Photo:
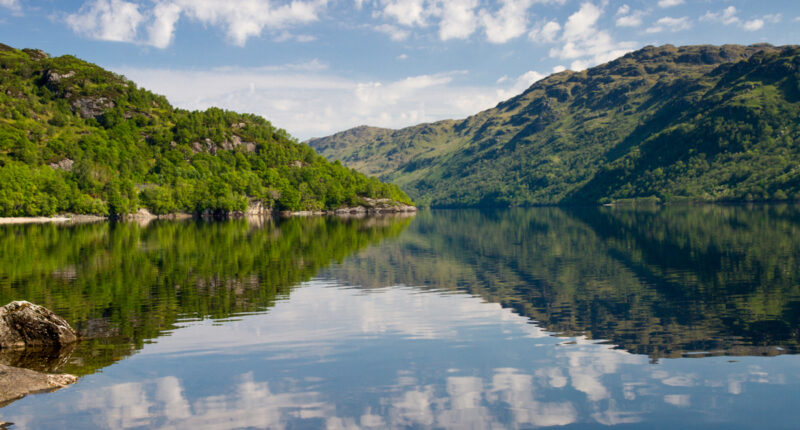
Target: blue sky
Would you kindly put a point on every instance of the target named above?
(315, 67)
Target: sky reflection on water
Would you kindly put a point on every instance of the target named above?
(335, 357)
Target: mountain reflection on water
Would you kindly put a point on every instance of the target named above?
(665, 282)
(513, 318)
(122, 284)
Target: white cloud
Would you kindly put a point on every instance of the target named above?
(162, 29)
(11, 4)
(669, 3)
(584, 43)
(753, 25)
(394, 32)
(402, 57)
(114, 20)
(671, 24)
(623, 10)
(243, 19)
(458, 19)
(520, 84)
(726, 16)
(119, 20)
(546, 33)
(407, 12)
(308, 100)
(630, 20)
(508, 23)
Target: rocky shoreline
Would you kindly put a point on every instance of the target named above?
(370, 208)
(31, 330)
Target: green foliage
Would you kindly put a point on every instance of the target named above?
(76, 138)
(702, 123)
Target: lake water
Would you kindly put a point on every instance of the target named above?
(677, 317)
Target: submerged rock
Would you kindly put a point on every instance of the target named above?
(24, 324)
(16, 383)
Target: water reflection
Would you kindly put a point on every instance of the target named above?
(489, 369)
(456, 319)
(664, 282)
(122, 284)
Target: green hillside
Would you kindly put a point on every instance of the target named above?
(75, 138)
(710, 123)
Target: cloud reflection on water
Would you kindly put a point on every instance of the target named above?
(531, 380)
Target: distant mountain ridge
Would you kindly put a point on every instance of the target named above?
(76, 138)
(710, 123)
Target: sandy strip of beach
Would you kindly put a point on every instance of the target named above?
(55, 219)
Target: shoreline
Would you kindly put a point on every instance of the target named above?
(58, 219)
(142, 216)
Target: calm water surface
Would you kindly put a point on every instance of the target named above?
(521, 318)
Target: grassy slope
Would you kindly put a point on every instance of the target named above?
(77, 138)
(699, 122)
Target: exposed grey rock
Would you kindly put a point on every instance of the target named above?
(51, 77)
(92, 107)
(24, 324)
(16, 383)
(65, 164)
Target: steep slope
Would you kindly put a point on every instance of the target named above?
(76, 138)
(699, 122)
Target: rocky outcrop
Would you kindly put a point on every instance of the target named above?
(92, 107)
(16, 383)
(32, 336)
(377, 206)
(24, 324)
(65, 164)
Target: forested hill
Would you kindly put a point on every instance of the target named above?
(75, 138)
(711, 123)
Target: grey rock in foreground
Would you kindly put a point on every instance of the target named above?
(16, 383)
(24, 324)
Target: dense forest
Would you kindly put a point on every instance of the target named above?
(701, 123)
(75, 138)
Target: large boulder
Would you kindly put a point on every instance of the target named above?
(24, 324)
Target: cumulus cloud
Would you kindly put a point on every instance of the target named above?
(120, 20)
(585, 44)
(546, 33)
(407, 12)
(627, 19)
(753, 25)
(508, 23)
(114, 20)
(669, 3)
(11, 4)
(671, 24)
(728, 16)
(458, 19)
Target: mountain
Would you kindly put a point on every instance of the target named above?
(710, 123)
(77, 138)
